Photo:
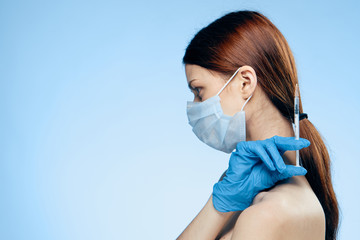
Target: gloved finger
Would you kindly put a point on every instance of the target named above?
(291, 171)
(240, 146)
(276, 157)
(290, 143)
(261, 152)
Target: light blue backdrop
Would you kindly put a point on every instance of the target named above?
(95, 142)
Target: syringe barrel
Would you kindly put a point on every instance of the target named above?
(296, 118)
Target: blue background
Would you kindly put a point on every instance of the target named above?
(95, 142)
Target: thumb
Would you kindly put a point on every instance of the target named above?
(291, 171)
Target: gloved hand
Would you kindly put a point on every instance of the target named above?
(253, 167)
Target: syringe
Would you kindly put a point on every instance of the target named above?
(296, 121)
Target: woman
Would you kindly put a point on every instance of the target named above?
(300, 207)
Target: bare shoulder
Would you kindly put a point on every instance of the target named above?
(282, 216)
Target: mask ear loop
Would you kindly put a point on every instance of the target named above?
(228, 81)
(246, 102)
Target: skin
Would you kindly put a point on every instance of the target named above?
(289, 210)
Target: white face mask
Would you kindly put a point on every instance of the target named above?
(213, 127)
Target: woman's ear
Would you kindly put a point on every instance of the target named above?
(248, 81)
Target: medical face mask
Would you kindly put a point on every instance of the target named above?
(213, 127)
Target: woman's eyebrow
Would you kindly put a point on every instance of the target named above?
(189, 84)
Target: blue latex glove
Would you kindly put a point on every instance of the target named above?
(253, 167)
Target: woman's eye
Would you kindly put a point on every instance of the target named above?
(197, 90)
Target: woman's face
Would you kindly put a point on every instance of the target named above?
(205, 84)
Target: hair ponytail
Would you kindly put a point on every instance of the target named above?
(316, 160)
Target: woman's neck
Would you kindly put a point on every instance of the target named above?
(265, 122)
